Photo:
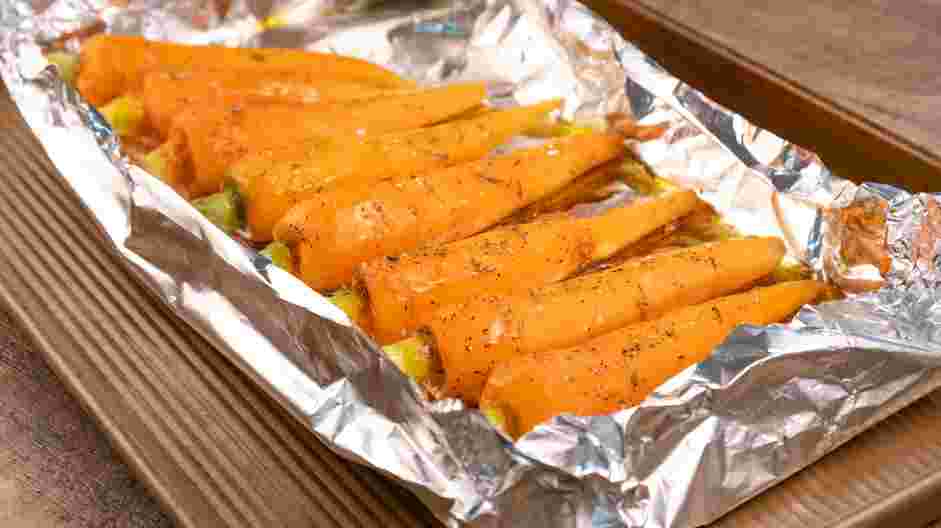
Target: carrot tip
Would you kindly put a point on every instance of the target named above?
(554, 129)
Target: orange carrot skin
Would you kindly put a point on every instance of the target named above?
(619, 369)
(404, 292)
(168, 95)
(472, 337)
(213, 136)
(272, 185)
(330, 239)
(218, 135)
(178, 168)
(112, 65)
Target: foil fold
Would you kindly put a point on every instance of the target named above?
(768, 402)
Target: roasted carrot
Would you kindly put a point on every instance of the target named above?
(403, 292)
(167, 95)
(112, 65)
(170, 162)
(271, 186)
(470, 338)
(619, 369)
(214, 136)
(334, 232)
(593, 187)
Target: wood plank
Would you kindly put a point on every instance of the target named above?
(856, 82)
(57, 470)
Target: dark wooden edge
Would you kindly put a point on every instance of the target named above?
(915, 506)
(851, 145)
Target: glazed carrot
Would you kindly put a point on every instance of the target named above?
(167, 95)
(470, 338)
(271, 186)
(334, 232)
(112, 65)
(214, 136)
(619, 369)
(170, 163)
(403, 292)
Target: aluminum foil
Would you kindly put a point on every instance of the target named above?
(770, 401)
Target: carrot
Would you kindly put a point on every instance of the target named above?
(112, 65)
(272, 185)
(619, 369)
(334, 232)
(470, 338)
(403, 292)
(167, 95)
(217, 135)
(594, 186)
(171, 163)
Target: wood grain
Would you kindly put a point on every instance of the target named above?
(877, 58)
(857, 82)
(57, 469)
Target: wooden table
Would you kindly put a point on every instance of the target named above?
(56, 468)
(858, 82)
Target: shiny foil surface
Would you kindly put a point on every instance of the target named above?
(770, 400)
